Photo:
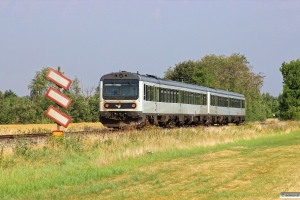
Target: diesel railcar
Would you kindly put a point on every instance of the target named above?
(132, 99)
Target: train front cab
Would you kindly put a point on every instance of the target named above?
(120, 100)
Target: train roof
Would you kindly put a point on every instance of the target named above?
(155, 79)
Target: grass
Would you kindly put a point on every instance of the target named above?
(246, 162)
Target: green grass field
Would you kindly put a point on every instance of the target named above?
(250, 162)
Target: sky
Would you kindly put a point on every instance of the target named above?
(90, 38)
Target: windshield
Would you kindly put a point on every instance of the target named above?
(121, 89)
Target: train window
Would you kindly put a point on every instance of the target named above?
(173, 96)
(166, 95)
(197, 98)
(186, 97)
(181, 96)
(161, 95)
(201, 102)
(145, 91)
(193, 98)
(215, 100)
(151, 93)
(201, 99)
(148, 93)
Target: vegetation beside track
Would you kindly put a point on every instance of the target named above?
(251, 161)
(47, 128)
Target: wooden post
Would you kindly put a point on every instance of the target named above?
(58, 107)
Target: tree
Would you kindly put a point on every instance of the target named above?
(233, 73)
(10, 94)
(31, 109)
(38, 87)
(290, 99)
(272, 105)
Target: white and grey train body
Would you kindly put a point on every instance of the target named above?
(132, 99)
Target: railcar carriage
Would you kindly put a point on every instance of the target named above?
(132, 99)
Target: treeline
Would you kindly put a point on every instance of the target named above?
(31, 109)
(233, 73)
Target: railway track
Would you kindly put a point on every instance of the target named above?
(41, 135)
(19, 136)
(101, 131)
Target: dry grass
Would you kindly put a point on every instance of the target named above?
(244, 170)
(38, 128)
(132, 144)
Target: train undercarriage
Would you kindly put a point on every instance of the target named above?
(139, 120)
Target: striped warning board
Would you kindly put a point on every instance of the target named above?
(58, 79)
(58, 97)
(58, 116)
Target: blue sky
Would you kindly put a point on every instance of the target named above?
(91, 38)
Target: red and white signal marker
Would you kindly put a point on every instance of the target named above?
(58, 79)
(58, 116)
(58, 97)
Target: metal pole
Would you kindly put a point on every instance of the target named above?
(58, 107)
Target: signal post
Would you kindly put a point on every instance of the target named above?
(59, 98)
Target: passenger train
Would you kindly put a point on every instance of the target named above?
(133, 99)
